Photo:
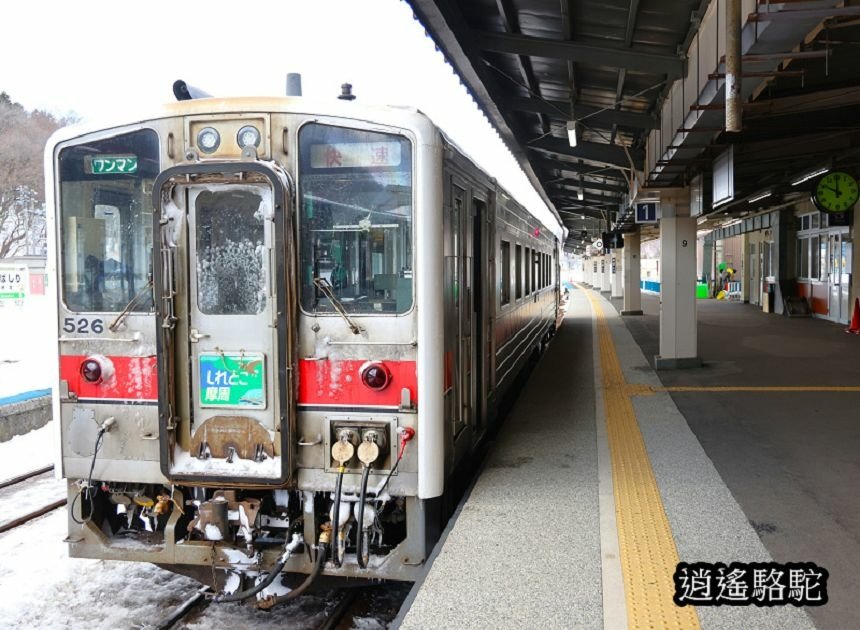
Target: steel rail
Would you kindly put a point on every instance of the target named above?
(183, 609)
(5, 527)
(33, 473)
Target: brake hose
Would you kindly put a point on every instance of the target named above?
(360, 543)
(335, 517)
(275, 572)
(322, 552)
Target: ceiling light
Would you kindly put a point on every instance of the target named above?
(808, 176)
(571, 132)
(760, 197)
(580, 194)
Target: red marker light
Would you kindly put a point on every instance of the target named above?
(91, 370)
(375, 376)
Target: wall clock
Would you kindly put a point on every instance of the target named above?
(836, 192)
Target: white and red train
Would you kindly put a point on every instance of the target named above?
(283, 327)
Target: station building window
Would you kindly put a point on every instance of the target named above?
(811, 248)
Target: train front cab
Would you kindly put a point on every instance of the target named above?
(244, 373)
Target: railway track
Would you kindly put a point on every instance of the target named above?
(26, 476)
(353, 602)
(29, 516)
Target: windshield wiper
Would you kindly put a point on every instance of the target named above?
(113, 326)
(325, 287)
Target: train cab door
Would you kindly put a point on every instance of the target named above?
(230, 332)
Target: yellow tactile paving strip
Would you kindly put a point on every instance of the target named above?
(753, 388)
(648, 553)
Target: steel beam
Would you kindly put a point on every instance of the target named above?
(590, 116)
(596, 152)
(590, 54)
(574, 186)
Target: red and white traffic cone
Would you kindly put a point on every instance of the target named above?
(854, 327)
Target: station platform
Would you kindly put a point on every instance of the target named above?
(606, 474)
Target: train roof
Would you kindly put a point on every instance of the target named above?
(397, 115)
(391, 114)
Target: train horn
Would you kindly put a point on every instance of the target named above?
(185, 92)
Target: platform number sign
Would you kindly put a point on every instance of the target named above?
(646, 212)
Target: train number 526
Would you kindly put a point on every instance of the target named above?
(83, 325)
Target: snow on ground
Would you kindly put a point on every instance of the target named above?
(27, 346)
(27, 452)
(30, 496)
(43, 588)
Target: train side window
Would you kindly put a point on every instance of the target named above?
(536, 270)
(518, 259)
(505, 272)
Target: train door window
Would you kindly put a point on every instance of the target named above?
(535, 263)
(518, 259)
(106, 222)
(549, 270)
(527, 276)
(231, 276)
(355, 206)
(545, 270)
(505, 272)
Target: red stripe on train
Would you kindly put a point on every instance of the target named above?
(327, 382)
(135, 378)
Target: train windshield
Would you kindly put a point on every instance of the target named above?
(355, 227)
(106, 222)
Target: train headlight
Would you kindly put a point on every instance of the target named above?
(208, 140)
(375, 375)
(248, 136)
(91, 370)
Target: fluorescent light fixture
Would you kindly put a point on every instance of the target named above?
(808, 176)
(764, 195)
(571, 132)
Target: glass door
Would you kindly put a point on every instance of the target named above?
(755, 278)
(839, 270)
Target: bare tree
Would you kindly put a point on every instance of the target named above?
(22, 196)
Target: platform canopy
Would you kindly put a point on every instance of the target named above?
(605, 68)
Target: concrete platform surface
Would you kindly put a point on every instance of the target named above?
(532, 546)
(791, 458)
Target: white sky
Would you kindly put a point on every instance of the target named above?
(98, 57)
